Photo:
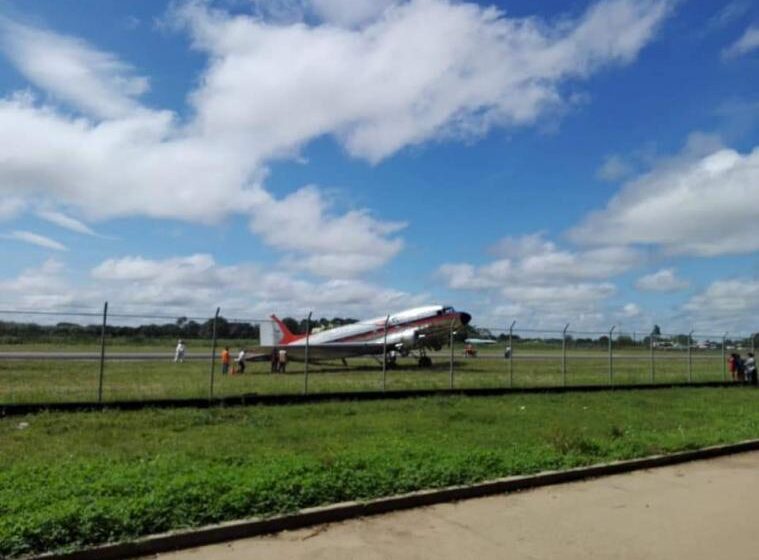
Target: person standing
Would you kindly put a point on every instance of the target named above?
(732, 366)
(225, 360)
(740, 368)
(241, 361)
(751, 372)
(180, 352)
(283, 361)
(274, 359)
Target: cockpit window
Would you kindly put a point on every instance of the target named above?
(447, 309)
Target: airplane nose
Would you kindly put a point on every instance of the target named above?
(465, 318)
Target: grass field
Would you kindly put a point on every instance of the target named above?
(24, 381)
(68, 480)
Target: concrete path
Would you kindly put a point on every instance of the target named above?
(703, 510)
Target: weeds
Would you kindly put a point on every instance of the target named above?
(72, 480)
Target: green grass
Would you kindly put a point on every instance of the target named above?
(24, 381)
(69, 480)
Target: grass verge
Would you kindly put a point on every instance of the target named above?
(70, 480)
(50, 381)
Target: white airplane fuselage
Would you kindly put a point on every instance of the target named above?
(419, 328)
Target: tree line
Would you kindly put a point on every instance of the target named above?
(13, 332)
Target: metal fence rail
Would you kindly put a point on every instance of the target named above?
(113, 355)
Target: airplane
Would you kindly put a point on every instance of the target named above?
(412, 330)
(480, 341)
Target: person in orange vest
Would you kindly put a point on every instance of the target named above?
(225, 360)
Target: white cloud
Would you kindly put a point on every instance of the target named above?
(195, 285)
(66, 222)
(726, 304)
(534, 260)
(419, 71)
(522, 246)
(325, 244)
(747, 43)
(570, 297)
(730, 13)
(693, 205)
(426, 68)
(96, 82)
(34, 239)
(542, 283)
(198, 283)
(37, 288)
(630, 310)
(350, 12)
(10, 207)
(614, 168)
(664, 280)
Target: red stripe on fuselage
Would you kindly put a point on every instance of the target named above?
(437, 320)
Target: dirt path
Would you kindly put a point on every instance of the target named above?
(703, 510)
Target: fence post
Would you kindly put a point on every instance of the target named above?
(611, 357)
(653, 345)
(690, 357)
(213, 352)
(564, 356)
(384, 355)
(102, 353)
(511, 354)
(724, 357)
(450, 381)
(305, 358)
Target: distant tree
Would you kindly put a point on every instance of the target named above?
(656, 331)
(191, 329)
(682, 339)
(291, 324)
(624, 340)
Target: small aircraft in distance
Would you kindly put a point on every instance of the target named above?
(410, 331)
(480, 341)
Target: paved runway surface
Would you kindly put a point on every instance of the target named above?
(696, 511)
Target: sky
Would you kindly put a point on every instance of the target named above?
(588, 162)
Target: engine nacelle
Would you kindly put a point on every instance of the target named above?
(404, 341)
(409, 338)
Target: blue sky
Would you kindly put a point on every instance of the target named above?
(587, 162)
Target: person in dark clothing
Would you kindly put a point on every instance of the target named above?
(740, 368)
(274, 359)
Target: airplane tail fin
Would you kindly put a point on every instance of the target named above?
(275, 332)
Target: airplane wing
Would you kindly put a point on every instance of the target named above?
(330, 351)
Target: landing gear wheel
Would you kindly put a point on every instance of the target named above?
(425, 362)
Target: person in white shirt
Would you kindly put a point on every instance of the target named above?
(179, 352)
(283, 361)
(750, 365)
(241, 361)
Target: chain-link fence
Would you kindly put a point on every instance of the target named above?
(109, 355)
